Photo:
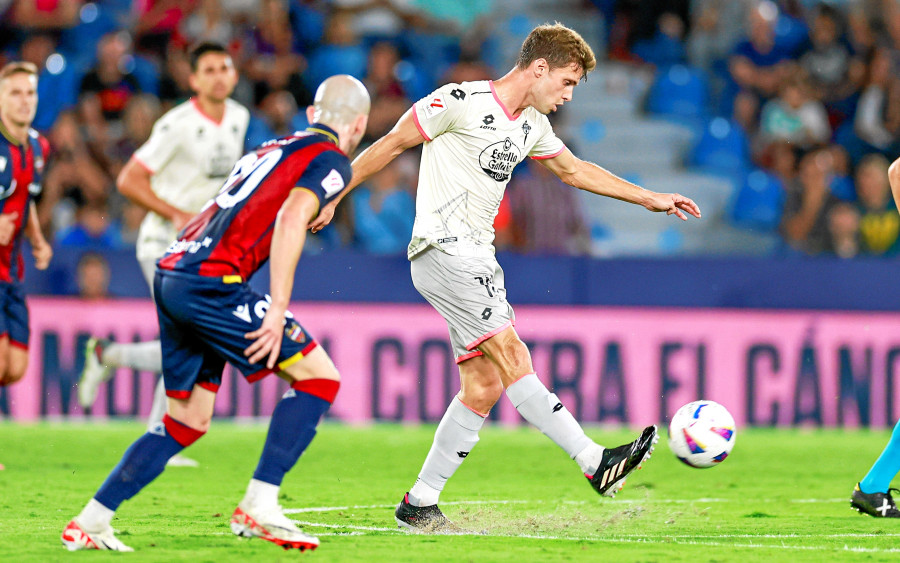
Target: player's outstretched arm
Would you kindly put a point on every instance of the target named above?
(403, 136)
(894, 178)
(592, 178)
(134, 183)
(288, 237)
(40, 248)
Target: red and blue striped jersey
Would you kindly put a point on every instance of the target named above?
(21, 171)
(232, 234)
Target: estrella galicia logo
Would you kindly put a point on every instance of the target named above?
(499, 159)
(488, 119)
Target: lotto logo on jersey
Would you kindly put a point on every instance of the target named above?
(333, 183)
(435, 105)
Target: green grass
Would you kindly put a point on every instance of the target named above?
(781, 496)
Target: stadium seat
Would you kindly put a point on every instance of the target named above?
(723, 149)
(760, 202)
(679, 91)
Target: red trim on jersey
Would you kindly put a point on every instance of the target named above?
(209, 386)
(254, 377)
(197, 107)
(419, 125)
(546, 156)
(499, 103)
(492, 333)
(180, 432)
(143, 164)
(19, 345)
(470, 355)
(325, 389)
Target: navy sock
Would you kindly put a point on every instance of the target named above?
(143, 461)
(291, 430)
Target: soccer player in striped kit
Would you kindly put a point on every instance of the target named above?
(23, 153)
(209, 315)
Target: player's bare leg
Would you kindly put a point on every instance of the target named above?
(606, 469)
(187, 421)
(314, 383)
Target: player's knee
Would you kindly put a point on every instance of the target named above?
(188, 431)
(481, 396)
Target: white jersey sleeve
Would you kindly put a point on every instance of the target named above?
(548, 144)
(440, 111)
(161, 146)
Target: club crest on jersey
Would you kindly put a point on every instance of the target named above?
(5, 192)
(436, 105)
(499, 159)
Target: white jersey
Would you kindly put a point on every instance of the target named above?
(189, 156)
(472, 145)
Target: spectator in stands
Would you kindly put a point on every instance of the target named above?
(274, 118)
(157, 22)
(759, 64)
(93, 276)
(804, 224)
(666, 47)
(377, 20)
(35, 49)
(106, 89)
(341, 53)
(72, 176)
(209, 22)
(843, 230)
(877, 121)
(49, 17)
(835, 75)
(714, 31)
(174, 81)
(794, 116)
(546, 215)
(879, 223)
(270, 63)
(383, 212)
(389, 100)
(140, 114)
(93, 229)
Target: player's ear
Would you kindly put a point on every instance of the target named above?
(192, 82)
(540, 67)
(310, 112)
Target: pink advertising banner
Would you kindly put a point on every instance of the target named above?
(608, 365)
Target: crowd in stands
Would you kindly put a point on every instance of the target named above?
(799, 103)
(801, 110)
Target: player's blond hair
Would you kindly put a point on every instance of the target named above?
(559, 46)
(20, 67)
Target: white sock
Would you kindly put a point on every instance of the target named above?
(142, 356)
(543, 409)
(589, 459)
(95, 517)
(160, 405)
(261, 495)
(455, 437)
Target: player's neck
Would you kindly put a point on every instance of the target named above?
(512, 91)
(212, 109)
(19, 134)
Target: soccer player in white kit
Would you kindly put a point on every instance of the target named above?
(475, 133)
(181, 166)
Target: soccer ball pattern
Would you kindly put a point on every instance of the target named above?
(702, 434)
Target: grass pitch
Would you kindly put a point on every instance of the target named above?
(781, 496)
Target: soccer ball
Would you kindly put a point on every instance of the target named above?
(702, 434)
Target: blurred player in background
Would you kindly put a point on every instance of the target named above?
(209, 314)
(181, 166)
(872, 495)
(475, 133)
(22, 157)
(23, 153)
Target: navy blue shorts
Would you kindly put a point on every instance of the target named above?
(202, 323)
(14, 314)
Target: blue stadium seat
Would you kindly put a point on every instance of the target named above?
(679, 91)
(723, 148)
(329, 60)
(760, 202)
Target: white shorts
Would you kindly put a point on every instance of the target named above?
(468, 292)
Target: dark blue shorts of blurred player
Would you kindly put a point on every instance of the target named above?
(14, 314)
(202, 323)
